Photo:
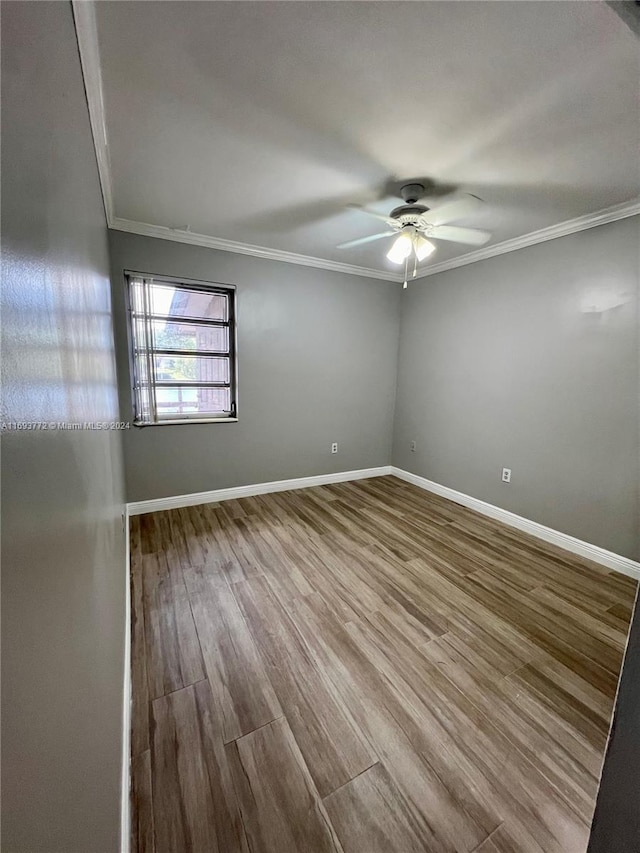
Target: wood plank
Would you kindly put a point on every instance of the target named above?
(437, 783)
(281, 808)
(194, 802)
(487, 846)
(552, 634)
(173, 656)
(273, 549)
(579, 704)
(461, 610)
(166, 542)
(513, 837)
(243, 695)
(139, 683)
(301, 549)
(622, 611)
(559, 754)
(474, 757)
(332, 746)
(148, 538)
(447, 681)
(142, 831)
(600, 626)
(371, 814)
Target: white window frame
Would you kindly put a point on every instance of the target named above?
(147, 415)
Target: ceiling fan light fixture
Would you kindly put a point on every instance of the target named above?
(401, 248)
(423, 248)
(411, 224)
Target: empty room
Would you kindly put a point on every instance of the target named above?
(320, 426)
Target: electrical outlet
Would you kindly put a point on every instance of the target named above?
(412, 446)
(506, 475)
(334, 447)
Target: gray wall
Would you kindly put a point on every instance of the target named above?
(505, 363)
(63, 583)
(317, 363)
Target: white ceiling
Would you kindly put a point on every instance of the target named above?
(258, 122)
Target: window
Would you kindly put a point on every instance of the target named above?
(183, 350)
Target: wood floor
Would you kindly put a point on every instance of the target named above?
(367, 668)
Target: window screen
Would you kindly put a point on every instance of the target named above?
(183, 342)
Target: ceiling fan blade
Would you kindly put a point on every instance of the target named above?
(389, 221)
(457, 209)
(364, 240)
(470, 236)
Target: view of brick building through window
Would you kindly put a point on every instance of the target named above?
(180, 323)
(192, 369)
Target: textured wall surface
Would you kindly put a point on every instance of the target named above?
(63, 583)
(316, 364)
(529, 361)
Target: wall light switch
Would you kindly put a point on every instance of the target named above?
(506, 475)
(412, 446)
(334, 447)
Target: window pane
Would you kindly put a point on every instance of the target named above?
(143, 403)
(192, 402)
(177, 335)
(167, 299)
(165, 350)
(137, 297)
(191, 368)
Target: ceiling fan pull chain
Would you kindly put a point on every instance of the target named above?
(406, 262)
(415, 264)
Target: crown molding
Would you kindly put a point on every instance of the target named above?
(220, 243)
(87, 35)
(84, 17)
(562, 229)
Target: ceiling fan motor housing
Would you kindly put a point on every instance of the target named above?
(410, 193)
(406, 213)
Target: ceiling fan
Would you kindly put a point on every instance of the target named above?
(413, 223)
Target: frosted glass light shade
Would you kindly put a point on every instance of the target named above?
(423, 248)
(401, 248)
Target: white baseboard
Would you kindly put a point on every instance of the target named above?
(125, 784)
(592, 552)
(157, 504)
(576, 546)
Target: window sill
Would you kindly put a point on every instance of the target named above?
(189, 421)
